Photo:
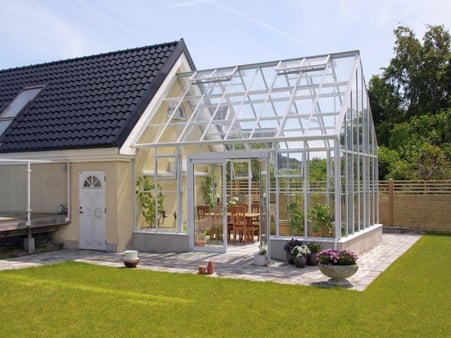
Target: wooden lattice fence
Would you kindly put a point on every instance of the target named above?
(416, 205)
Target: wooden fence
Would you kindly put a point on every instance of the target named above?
(416, 205)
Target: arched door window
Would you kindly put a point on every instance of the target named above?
(92, 182)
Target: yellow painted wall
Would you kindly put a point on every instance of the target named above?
(119, 190)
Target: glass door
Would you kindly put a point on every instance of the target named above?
(208, 211)
(214, 189)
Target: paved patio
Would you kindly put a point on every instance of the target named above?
(236, 264)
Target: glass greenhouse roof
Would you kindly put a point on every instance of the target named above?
(302, 99)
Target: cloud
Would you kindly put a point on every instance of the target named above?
(261, 24)
(266, 26)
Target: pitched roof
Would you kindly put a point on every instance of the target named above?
(87, 102)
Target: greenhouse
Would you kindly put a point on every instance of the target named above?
(290, 141)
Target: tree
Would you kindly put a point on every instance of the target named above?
(432, 163)
(385, 107)
(416, 82)
(420, 73)
(418, 149)
(411, 106)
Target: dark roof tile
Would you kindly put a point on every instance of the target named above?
(91, 101)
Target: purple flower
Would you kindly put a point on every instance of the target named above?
(337, 257)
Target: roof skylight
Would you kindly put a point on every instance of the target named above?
(304, 65)
(213, 76)
(8, 114)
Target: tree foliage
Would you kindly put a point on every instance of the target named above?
(411, 105)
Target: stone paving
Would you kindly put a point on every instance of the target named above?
(235, 264)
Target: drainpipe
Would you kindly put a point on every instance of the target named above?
(30, 239)
(68, 192)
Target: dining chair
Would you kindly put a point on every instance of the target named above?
(202, 223)
(202, 211)
(216, 223)
(255, 209)
(241, 226)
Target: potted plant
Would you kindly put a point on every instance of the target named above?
(338, 265)
(300, 253)
(260, 255)
(200, 238)
(289, 245)
(312, 258)
(323, 219)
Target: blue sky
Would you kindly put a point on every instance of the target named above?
(217, 32)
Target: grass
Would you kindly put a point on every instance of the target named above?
(411, 299)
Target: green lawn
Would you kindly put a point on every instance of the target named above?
(411, 299)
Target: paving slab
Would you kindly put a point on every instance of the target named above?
(238, 265)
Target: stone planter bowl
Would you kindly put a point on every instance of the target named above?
(338, 273)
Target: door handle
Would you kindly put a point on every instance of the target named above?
(81, 210)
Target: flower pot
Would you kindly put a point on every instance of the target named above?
(131, 259)
(338, 273)
(259, 259)
(210, 268)
(300, 261)
(290, 258)
(312, 259)
(200, 242)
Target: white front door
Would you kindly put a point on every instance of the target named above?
(92, 210)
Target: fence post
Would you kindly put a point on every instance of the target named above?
(391, 204)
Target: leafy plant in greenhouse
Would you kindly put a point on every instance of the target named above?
(149, 199)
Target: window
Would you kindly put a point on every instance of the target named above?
(8, 114)
(176, 111)
(241, 170)
(303, 65)
(290, 164)
(92, 182)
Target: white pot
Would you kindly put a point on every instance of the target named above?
(131, 258)
(130, 255)
(259, 259)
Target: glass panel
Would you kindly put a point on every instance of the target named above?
(208, 206)
(20, 101)
(150, 198)
(298, 97)
(92, 182)
(8, 114)
(241, 170)
(166, 167)
(262, 207)
(167, 220)
(289, 164)
(3, 125)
